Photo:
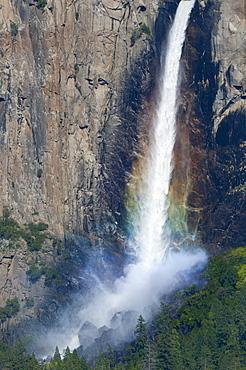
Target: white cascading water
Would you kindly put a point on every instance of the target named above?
(154, 273)
(150, 240)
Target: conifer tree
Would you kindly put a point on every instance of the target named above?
(141, 338)
(102, 363)
(84, 365)
(110, 356)
(67, 363)
(168, 345)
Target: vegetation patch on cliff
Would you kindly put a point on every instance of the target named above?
(143, 29)
(10, 309)
(41, 4)
(32, 233)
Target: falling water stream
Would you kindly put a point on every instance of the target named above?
(154, 271)
(150, 238)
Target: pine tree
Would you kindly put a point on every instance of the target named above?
(168, 345)
(57, 356)
(110, 356)
(75, 360)
(149, 361)
(102, 363)
(56, 362)
(84, 365)
(67, 363)
(141, 338)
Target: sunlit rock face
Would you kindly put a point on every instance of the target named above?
(72, 79)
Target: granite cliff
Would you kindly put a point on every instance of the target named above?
(72, 77)
(211, 139)
(78, 87)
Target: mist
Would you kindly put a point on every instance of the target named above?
(107, 314)
(142, 286)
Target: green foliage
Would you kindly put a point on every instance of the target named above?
(9, 229)
(71, 361)
(34, 273)
(39, 173)
(32, 233)
(35, 228)
(41, 4)
(34, 236)
(135, 36)
(51, 274)
(58, 245)
(76, 71)
(10, 309)
(206, 331)
(141, 338)
(76, 68)
(168, 344)
(35, 243)
(57, 356)
(78, 87)
(17, 358)
(13, 29)
(141, 354)
(77, 16)
(29, 302)
(143, 29)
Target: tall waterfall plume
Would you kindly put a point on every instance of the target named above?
(153, 272)
(150, 237)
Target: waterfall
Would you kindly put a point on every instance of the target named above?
(150, 237)
(152, 275)
(153, 272)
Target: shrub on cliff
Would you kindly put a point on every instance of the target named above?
(9, 229)
(143, 29)
(34, 273)
(41, 4)
(10, 309)
(33, 234)
(13, 29)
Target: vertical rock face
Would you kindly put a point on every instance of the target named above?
(210, 148)
(227, 158)
(64, 140)
(228, 49)
(73, 75)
